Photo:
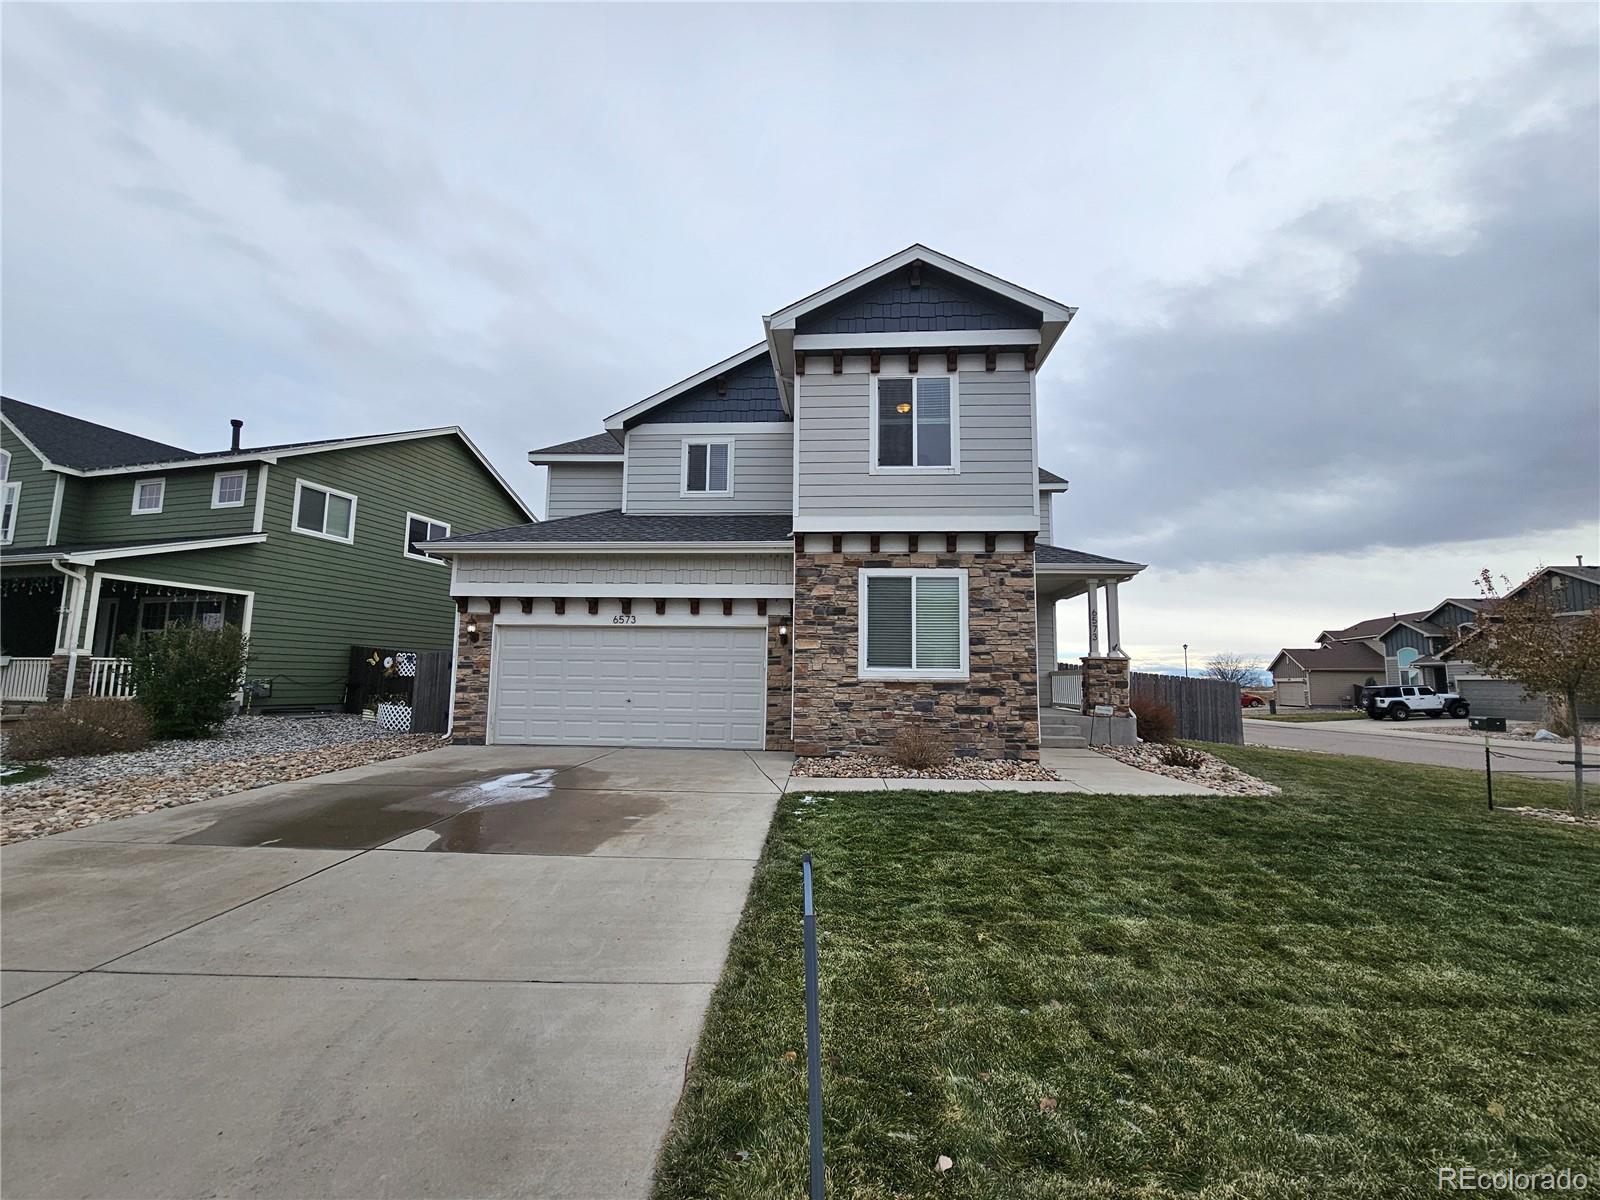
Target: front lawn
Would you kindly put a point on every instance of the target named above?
(1324, 993)
(1334, 714)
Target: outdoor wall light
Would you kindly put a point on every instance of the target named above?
(472, 628)
(783, 635)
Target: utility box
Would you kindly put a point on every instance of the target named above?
(1487, 724)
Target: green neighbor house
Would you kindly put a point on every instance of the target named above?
(310, 548)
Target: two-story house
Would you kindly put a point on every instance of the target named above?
(309, 548)
(1396, 649)
(838, 530)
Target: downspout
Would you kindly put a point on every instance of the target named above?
(80, 580)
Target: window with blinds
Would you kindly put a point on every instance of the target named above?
(915, 421)
(914, 623)
(707, 468)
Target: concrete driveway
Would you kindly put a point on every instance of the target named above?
(475, 972)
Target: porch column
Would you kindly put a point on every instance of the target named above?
(1113, 622)
(1094, 618)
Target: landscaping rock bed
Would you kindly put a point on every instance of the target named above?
(1521, 731)
(249, 752)
(1215, 773)
(1559, 816)
(870, 766)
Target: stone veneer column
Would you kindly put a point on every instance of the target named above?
(780, 683)
(80, 685)
(55, 688)
(470, 722)
(994, 713)
(1105, 681)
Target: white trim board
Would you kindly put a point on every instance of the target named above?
(930, 339)
(188, 586)
(608, 547)
(913, 674)
(708, 592)
(294, 512)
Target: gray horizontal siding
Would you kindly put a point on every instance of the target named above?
(996, 478)
(1046, 525)
(601, 570)
(578, 488)
(763, 472)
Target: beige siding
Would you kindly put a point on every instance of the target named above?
(763, 470)
(1332, 688)
(578, 488)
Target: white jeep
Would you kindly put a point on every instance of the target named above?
(1398, 702)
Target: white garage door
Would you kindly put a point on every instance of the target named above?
(641, 685)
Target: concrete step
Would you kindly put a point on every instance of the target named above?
(1063, 741)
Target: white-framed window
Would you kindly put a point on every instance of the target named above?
(10, 500)
(148, 496)
(323, 512)
(227, 489)
(913, 623)
(707, 467)
(424, 529)
(916, 424)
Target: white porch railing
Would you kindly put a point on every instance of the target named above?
(111, 677)
(1066, 689)
(25, 679)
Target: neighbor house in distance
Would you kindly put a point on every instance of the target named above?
(309, 548)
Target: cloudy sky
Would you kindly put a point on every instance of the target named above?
(1338, 269)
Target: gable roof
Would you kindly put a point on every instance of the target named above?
(69, 441)
(618, 420)
(1373, 627)
(1051, 481)
(1472, 605)
(1341, 656)
(131, 453)
(781, 326)
(1586, 573)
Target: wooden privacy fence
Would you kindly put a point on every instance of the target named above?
(1207, 709)
(430, 697)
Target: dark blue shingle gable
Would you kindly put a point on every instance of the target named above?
(941, 302)
(750, 393)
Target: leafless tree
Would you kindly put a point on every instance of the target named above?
(1231, 667)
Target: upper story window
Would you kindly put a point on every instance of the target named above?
(149, 495)
(10, 498)
(424, 529)
(913, 624)
(324, 512)
(915, 423)
(227, 489)
(707, 467)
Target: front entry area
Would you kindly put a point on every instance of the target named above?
(629, 685)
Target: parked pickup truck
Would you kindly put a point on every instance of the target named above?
(1398, 703)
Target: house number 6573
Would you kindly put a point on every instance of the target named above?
(624, 619)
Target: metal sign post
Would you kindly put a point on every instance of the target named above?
(813, 1033)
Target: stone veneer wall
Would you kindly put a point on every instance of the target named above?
(55, 687)
(992, 714)
(1106, 681)
(780, 684)
(470, 725)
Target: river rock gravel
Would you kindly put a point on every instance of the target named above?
(1215, 773)
(248, 752)
(870, 766)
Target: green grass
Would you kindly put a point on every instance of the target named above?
(1326, 993)
(25, 773)
(1337, 714)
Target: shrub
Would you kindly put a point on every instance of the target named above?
(77, 728)
(918, 748)
(185, 677)
(1157, 722)
(1175, 755)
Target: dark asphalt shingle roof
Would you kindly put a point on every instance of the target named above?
(84, 445)
(1049, 476)
(598, 443)
(1044, 554)
(1341, 656)
(615, 526)
(1375, 626)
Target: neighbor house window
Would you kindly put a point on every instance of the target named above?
(914, 623)
(424, 529)
(149, 495)
(324, 512)
(10, 497)
(708, 468)
(227, 489)
(914, 422)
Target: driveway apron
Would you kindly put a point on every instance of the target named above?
(475, 972)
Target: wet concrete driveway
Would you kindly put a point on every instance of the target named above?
(475, 972)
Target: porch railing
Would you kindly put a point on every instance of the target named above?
(1066, 689)
(111, 678)
(25, 679)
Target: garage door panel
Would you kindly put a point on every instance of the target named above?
(630, 685)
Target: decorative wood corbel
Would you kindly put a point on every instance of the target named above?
(661, 608)
(727, 608)
(838, 362)
(561, 606)
(694, 608)
(627, 606)
(761, 608)
(950, 360)
(988, 359)
(911, 361)
(799, 362)
(527, 605)
(877, 360)
(594, 606)
(494, 606)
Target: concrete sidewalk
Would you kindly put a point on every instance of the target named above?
(475, 972)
